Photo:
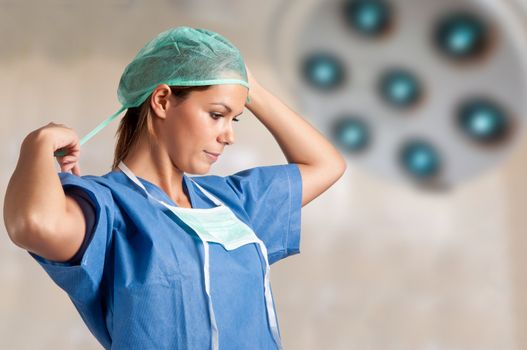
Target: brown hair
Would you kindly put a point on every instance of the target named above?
(138, 120)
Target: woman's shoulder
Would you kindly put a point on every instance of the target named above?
(99, 188)
(252, 182)
(108, 180)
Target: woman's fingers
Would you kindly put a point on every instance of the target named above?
(69, 163)
(76, 170)
(66, 145)
(69, 159)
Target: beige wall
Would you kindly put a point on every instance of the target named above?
(382, 266)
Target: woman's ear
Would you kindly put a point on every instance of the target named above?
(159, 100)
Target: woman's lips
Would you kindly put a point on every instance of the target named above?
(212, 156)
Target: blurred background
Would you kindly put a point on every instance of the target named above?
(420, 245)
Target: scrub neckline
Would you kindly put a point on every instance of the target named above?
(186, 186)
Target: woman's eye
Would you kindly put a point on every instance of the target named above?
(217, 116)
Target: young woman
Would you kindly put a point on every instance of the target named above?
(153, 258)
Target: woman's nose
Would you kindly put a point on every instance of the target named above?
(227, 136)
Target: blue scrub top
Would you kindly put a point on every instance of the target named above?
(140, 283)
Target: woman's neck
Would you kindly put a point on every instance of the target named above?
(152, 163)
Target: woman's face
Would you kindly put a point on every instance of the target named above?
(200, 124)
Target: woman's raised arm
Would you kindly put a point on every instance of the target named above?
(320, 163)
(38, 215)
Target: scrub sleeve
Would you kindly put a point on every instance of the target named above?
(271, 196)
(82, 281)
(88, 210)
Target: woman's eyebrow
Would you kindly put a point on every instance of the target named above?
(222, 104)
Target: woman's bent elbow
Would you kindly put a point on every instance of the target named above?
(26, 233)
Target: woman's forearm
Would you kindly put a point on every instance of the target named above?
(34, 197)
(300, 142)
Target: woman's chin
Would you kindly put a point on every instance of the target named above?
(202, 170)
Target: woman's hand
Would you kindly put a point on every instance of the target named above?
(250, 77)
(64, 140)
(254, 86)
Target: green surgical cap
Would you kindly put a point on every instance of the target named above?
(180, 56)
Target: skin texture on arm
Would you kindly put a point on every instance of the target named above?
(320, 163)
(38, 215)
